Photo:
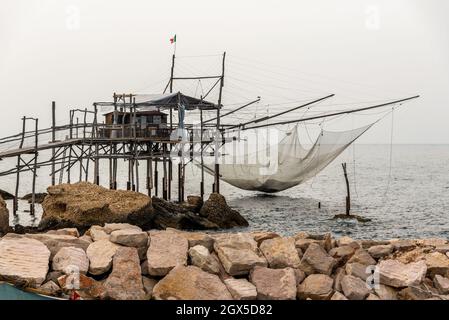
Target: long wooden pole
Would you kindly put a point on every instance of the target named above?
(217, 142)
(16, 194)
(53, 139)
(348, 196)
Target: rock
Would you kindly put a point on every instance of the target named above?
(98, 233)
(415, 293)
(432, 242)
(372, 296)
(216, 210)
(300, 276)
(148, 286)
(316, 260)
(403, 245)
(301, 235)
(338, 296)
(316, 287)
(100, 255)
(49, 288)
(190, 283)
(385, 292)
(6, 195)
(366, 244)
(130, 238)
(194, 203)
(437, 263)
(55, 242)
(84, 204)
(303, 244)
(241, 289)
(274, 284)
(172, 215)
(66, 232)
(86, 238)
(362, 257)
(380, 251)
(354, 288)
(4, 217)
(442, 284)
(260, 236)
(238, 253)
(53, 276)
(167, 250)
(444, 248)
(125, 280)
(23, 260)
(201, 257)
(111, 227)
(347, 241)
(342, 254)
(38, 197)
(357, 270)
(280, 253)
(85, 286)
(70, 258)
(196, 238)
(338, 276)
(414, 255)
(396, 274)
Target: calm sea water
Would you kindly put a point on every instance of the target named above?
(409, 198)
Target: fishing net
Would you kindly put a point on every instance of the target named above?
(285, 165)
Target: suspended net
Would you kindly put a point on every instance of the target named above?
(286, 164)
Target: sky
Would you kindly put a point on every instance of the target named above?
(80, 51)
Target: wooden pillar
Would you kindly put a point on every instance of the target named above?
(53, 139)
(33, 192)
(16, 194)
(348, 196)
(201, 155)
(156, 186)
(217, 142)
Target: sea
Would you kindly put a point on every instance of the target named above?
(402, 189)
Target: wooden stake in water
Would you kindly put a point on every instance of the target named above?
(348, 196)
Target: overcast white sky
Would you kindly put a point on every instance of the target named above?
(77, 52)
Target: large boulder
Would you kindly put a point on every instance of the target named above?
(66, 232)
(55, 242)
(442, 284)
(216, 210)
(380, 251)
(100, 254)
(130, 238)
(280, 252)
(437, 263)
(166, 251)
(125, 280)
(83, 204)
(241, 289)
(238, 253)
(363, 257)
(23, 260)
(201, 257)
(4, 217)
(354, 288)
(173, 215)
(274, 284)
(397, 274)
(196, 238)
(190, 283)
(70, 258)
(316, 260)
(316, 287)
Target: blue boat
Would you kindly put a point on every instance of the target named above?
(10, 292)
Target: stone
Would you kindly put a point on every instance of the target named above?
(4, 217)
(100, 255)
(354, 288)
(397, 274)
(194, 203)
(216, 210)
(84, 204)
(338, 296)
(403, 244)
(380, 251)
(363, 257)
(444, 248)
(130, 238)
(260, 236)
(385, 292)
(300, 276)
(85, 286)
(338, 276)
(49, 288)
(347, 241)
(190, 283)
(87, 238)
(148, 286)
(280, 253)
(414, 293)
(98, 233)
(316, 260)
(437, 263)
(5, 195)
(144, 268)
(238, 253)
(366, 244)
(372, 296)
(274, 284)
(125, 280)
(431, 242)
(66, 232)
(168, 214)
(342, 254)
(23, 260)
(111, 227)
(301, 235)
(413, 255)
(357, 270)
(55, 242)
(441, 284)
(241, 289)
(196, 238)
(69, 259)
(53, 276)
(38, 197)
(303, 244)
(316, 287)
(201, 257)
(166, 251)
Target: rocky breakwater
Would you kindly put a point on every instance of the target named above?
(4, 217)
(120, 261)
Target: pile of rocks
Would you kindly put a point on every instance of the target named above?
(120, 261)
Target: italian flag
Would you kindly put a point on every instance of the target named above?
(173, 40)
